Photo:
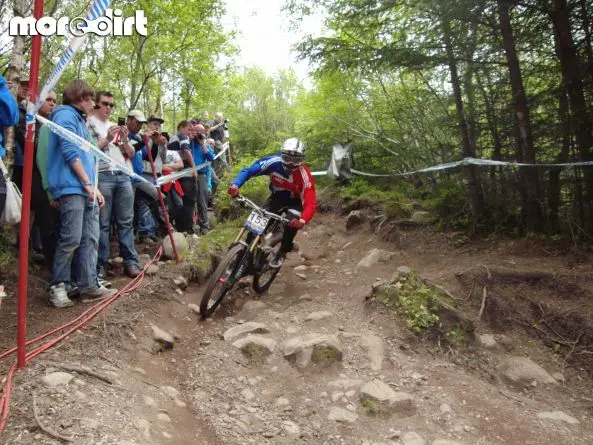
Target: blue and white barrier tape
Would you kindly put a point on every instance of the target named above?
(89, 148)
(166, 179)
(465, 161)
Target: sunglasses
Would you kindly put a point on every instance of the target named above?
(108, 104)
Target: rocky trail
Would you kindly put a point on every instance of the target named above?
(314, 361)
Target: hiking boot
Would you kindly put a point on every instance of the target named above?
(94, 294)
(105, 283)
(146, 239)
(58, 296)
(133, 271)
(277, 262)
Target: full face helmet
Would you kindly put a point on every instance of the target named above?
(292, 154)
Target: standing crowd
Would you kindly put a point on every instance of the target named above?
(78, 203)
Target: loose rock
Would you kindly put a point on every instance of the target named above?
(521, 370)
(558, 416)
(291, 429)
(446, 442)
(375, 256)
(170, 391)
(254, 306)
(243, 329)
(301, 268)
(163, 337)
(180, 282)
(403, 271)
(153, 269)
(316, 316)
(412, 438)
(487, 341)
(57, 379)
(346, 383)
(341, 415)
(194, 308)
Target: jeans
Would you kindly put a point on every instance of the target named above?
(202, 202)
(149, 216)
(79, 229)
(2, 192)
(119, 202)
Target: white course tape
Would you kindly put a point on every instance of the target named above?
(465, 161)
(166, 179)
(89, 148)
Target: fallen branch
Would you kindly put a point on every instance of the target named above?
(46, 429)
(471, 292)
(484, 297)
(85, 371)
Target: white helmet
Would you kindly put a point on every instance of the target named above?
(292, 153)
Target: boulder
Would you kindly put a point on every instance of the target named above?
(180, 244)
(373, 346)
(244, 329)
(180, 282)
(375, 256)
(57, 379)
(377, 396)
(256, 346)
(523, 371)
(341, 415)
(412, 438)
(316, 348)
(487, 341)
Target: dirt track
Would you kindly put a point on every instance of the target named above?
(222, 397)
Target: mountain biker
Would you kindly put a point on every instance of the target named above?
(292, 187)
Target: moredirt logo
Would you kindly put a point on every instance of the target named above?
(111, 24)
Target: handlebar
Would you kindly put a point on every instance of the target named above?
(254, 206)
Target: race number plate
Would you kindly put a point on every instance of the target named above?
(256, 223)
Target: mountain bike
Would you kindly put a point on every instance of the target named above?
(248, 255)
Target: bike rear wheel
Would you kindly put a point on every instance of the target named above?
(222, 281)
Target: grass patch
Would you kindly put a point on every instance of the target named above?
(371, 407)
(414, 300)
(360, 193)
(204, 253)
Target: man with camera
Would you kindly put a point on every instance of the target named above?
(115, 185)
(217, 132)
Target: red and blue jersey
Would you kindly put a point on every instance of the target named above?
(299, 183)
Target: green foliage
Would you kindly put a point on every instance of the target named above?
(371, 407)
(414, 299)
(450, 202)
(361, 193)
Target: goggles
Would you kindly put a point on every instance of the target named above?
(291, 160)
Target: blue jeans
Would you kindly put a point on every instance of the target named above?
(145, 196)
(119, 203)
(79, 229)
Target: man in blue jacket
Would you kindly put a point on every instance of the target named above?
(202, 153)
(9, 116)
(71, 178)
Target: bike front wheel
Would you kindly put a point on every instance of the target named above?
(222, 281)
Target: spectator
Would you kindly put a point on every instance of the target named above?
(22, 96)
(47, 217)
(146, 199)
(173, 191)
(71, 177)
(115, 185)
(217, 129)
(206, 116)
(202, 154)
(9, 116)
(181, 143)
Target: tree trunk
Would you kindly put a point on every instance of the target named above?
(571, 77)
(555, 184)
(532, 209)
(134, 93)
(588, 45)
(475, 191)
